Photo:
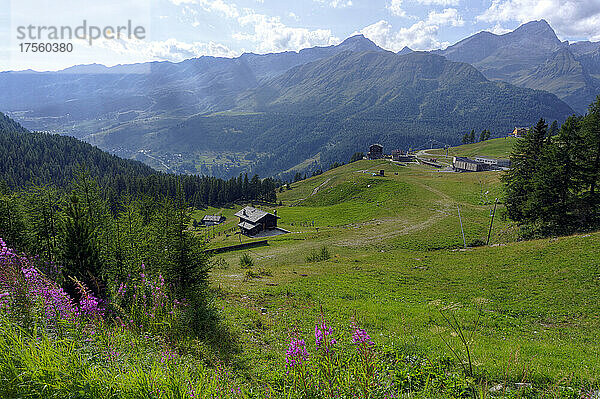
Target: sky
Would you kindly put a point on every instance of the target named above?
(175, 30)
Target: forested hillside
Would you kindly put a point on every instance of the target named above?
(30, 158)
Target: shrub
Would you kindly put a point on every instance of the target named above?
(358, 368)
(246, 261)
(220, 263)
(318, 255)
(250, 274)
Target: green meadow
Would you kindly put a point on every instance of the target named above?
(398, 265)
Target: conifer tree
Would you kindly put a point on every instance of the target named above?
(519, 179)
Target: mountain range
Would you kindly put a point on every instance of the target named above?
(533, 56)
(277, 113)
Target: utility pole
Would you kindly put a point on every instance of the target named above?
(492, 222)
(461, 226)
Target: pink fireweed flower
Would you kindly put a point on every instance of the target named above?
(122, 290)
(323, 336)
(360, 336)
(296, 354)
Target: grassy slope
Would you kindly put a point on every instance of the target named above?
(396, 259)
(498, 148)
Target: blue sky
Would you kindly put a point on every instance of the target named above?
(181, 29)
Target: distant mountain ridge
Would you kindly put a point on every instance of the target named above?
(533, 56)
(322, 112)
(272, 113)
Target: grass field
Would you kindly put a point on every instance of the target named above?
(397, 257)
(496, 148)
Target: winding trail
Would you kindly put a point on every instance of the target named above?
(314, 192)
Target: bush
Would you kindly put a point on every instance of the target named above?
(220, 263)
(246, 261)
(250, 274)
(318, 255)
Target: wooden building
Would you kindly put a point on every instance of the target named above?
(253, 221)
(375, 152)
(212, 220)
(461, 164)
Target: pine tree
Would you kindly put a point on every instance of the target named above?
(519, 179)
(80, 255)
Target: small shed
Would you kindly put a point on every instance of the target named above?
(375, 152)
(253, 221)
(212, 220)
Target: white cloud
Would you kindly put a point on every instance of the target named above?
(270, 34)
(448, 16)
(218, 6)
(570, 18)
(444, 3)
(422, 35)
(166, 50)
(395, 7)
(498, 29)
(336, 3)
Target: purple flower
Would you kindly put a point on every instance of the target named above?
(296, 354)
(323, 335)
(360, 336)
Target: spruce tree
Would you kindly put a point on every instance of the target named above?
(80, 255)
(519, 179)
(591, 142)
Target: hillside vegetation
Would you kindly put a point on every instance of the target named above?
(396, 257)
(494, 148)
(376, 260)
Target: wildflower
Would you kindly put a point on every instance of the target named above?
(360, 336)
(122, 290)
(296, 354)
(323, 335)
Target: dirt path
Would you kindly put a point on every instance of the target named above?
(314, 192)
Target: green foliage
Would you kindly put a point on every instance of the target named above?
(246, 261)
(79, 250)
(39, 159)
(357, 156)
(319, 255)
(485, 135)
(551, 187)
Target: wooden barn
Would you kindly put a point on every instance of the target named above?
(212, 220)
(253, 221)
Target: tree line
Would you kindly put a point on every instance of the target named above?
(552, 186)
(30, 159)
(100, 246)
